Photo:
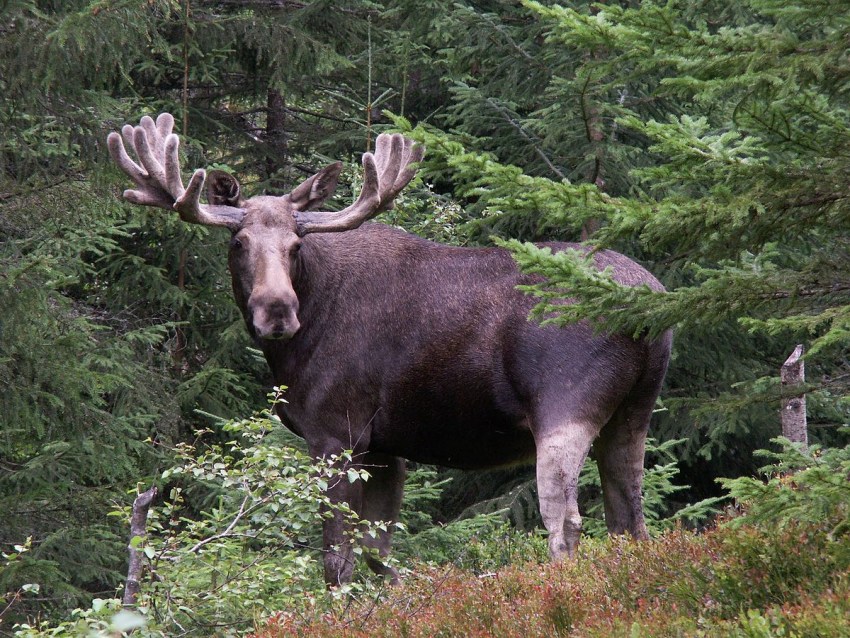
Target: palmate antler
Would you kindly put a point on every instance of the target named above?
(158, 180)
(386, 173)
(158, 177)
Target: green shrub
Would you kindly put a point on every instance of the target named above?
(765, 566)
(254, 549)
(801, 484)
(104, 619)
(237, 539)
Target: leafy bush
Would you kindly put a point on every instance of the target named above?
(104, 619)
(253, 548)
(237, 539)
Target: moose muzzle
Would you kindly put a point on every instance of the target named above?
(274, 317)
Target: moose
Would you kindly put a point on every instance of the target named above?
(399, 348)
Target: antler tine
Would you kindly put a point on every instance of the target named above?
(387, 156)
(151, 152)
(413, 155)
(164, 125)
(158, 177)
(173, 180)
(399, 176)
(386, 173)
(147, 194)
(189, 206)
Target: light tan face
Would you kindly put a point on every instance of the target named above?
(263, 262)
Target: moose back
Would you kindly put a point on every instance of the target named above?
(399, 348)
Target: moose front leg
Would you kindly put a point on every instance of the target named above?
(337, 531)
(382, 495)
(376, 499)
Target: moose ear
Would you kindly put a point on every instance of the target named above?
(222, 189)
(314, 190)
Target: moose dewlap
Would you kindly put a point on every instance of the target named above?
(400, 348)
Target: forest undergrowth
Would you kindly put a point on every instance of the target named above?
(754, 581)
(775, 563)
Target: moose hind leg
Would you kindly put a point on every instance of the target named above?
(619, 451)
(382, 495)
(561, 452)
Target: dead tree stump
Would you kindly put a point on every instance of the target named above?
(793, 415)
(138, 529)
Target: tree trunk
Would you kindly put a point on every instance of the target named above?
(595, 137)
(595, 133)
(138, 529)
(178, 356)
(793, 374)
(275, 138)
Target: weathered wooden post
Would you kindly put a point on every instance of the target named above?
(138, 529)
(793, 374)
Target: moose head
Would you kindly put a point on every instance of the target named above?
(266, 230)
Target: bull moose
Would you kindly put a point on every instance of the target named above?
(400, 348)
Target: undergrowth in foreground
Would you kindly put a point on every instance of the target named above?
(749, 582)
(779, 568)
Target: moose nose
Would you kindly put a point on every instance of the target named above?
(274, 318)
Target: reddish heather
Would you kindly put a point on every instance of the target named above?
(682, 584)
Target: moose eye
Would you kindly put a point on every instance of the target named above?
(235, 244)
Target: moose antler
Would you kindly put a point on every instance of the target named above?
(386, 173)
(158, 178)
